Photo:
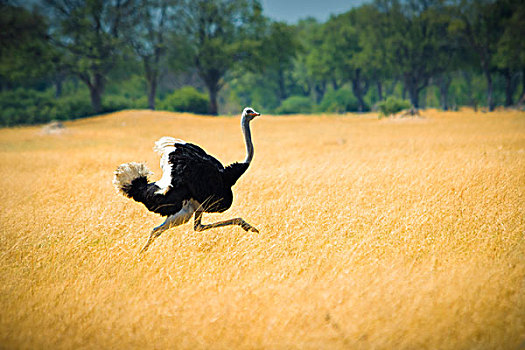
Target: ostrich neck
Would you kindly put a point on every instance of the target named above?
(245, 124)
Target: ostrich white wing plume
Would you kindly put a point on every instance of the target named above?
(164, 146)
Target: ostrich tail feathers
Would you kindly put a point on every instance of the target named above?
(127, 173)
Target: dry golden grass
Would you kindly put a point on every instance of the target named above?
(385, 234)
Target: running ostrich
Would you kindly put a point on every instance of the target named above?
(192, 182)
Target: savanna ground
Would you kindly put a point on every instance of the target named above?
(385, 234)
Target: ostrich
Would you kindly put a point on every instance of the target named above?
(193, 182)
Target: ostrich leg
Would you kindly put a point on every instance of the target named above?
(154, 234)
(182, 217)
(197, 226)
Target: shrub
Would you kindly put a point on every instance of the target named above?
(24, 106)
(142, 103)
(114, 103)
(73, 106)
(392, 105)
(339, 101)
(186, 99)
(295, 105)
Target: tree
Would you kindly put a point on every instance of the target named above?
(313, 60)
(510, 50)
(343, 31)
(25, 54)
(477, 23)
(219, 31)
(279, 47)
(375, 55)
(155, 22)
(90, 32)
(419, 41)
(341, 44)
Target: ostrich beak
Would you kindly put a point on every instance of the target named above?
(255, 114)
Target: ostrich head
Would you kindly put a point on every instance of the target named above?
(249, 113)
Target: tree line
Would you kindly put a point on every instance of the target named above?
(138, 53)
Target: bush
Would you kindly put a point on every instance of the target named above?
(113, 103)
(142, 103)
(295, 105)
(392, 105)
(187, 99)
(73, 106)
(24, 106)
(339, 101)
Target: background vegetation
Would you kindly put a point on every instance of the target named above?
(67, 59)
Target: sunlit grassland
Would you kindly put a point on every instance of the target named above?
(386, 234)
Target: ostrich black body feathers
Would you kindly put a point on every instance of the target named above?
(205, 178)
(195, 175)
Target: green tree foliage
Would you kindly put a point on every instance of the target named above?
(266, 78)
(343, 48)
(100, 56)
(25, 56)
(90, 35)
(479, 24)
(510, 50)
(219, 31)
(309, 74)
(419, 43)
(374, 56)
(277, 51)
(154, 24)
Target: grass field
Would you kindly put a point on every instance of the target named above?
(374, 234)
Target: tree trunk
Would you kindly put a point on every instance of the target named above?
(444, 85)
(152, 91)
(96, 99)
(58, 87)
(414, 97)
(490, 88)
(359, 90)
(282, 87)
(96, 89)
(379, 90)
(522, 98)
(468, 80)
(151, 80)
(443, 96)
(422, 98)
(509, 91)
(413, 91)
(320, 89)
(356, 88)
(335, 85)
(213, 108)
